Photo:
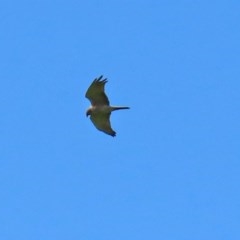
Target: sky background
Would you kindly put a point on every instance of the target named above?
(172, 171)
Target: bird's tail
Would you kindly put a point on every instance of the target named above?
(119, 108)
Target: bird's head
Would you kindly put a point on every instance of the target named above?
(88, 112)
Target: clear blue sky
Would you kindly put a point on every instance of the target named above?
(172, 172)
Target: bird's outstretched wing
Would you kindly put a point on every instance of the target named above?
(101, 121)
(95, 92)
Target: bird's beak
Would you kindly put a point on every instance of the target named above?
(87, 113)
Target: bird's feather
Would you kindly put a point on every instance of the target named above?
(101, 121)
(95, 92)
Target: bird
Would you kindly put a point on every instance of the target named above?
(100, 109)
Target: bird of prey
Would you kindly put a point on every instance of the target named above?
(100, 109)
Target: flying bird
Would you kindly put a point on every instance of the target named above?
(100, 109)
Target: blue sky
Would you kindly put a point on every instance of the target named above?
(173, 170)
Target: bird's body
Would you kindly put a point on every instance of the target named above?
(100, 109)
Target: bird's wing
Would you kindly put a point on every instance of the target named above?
(102, 122)
(96, 94)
